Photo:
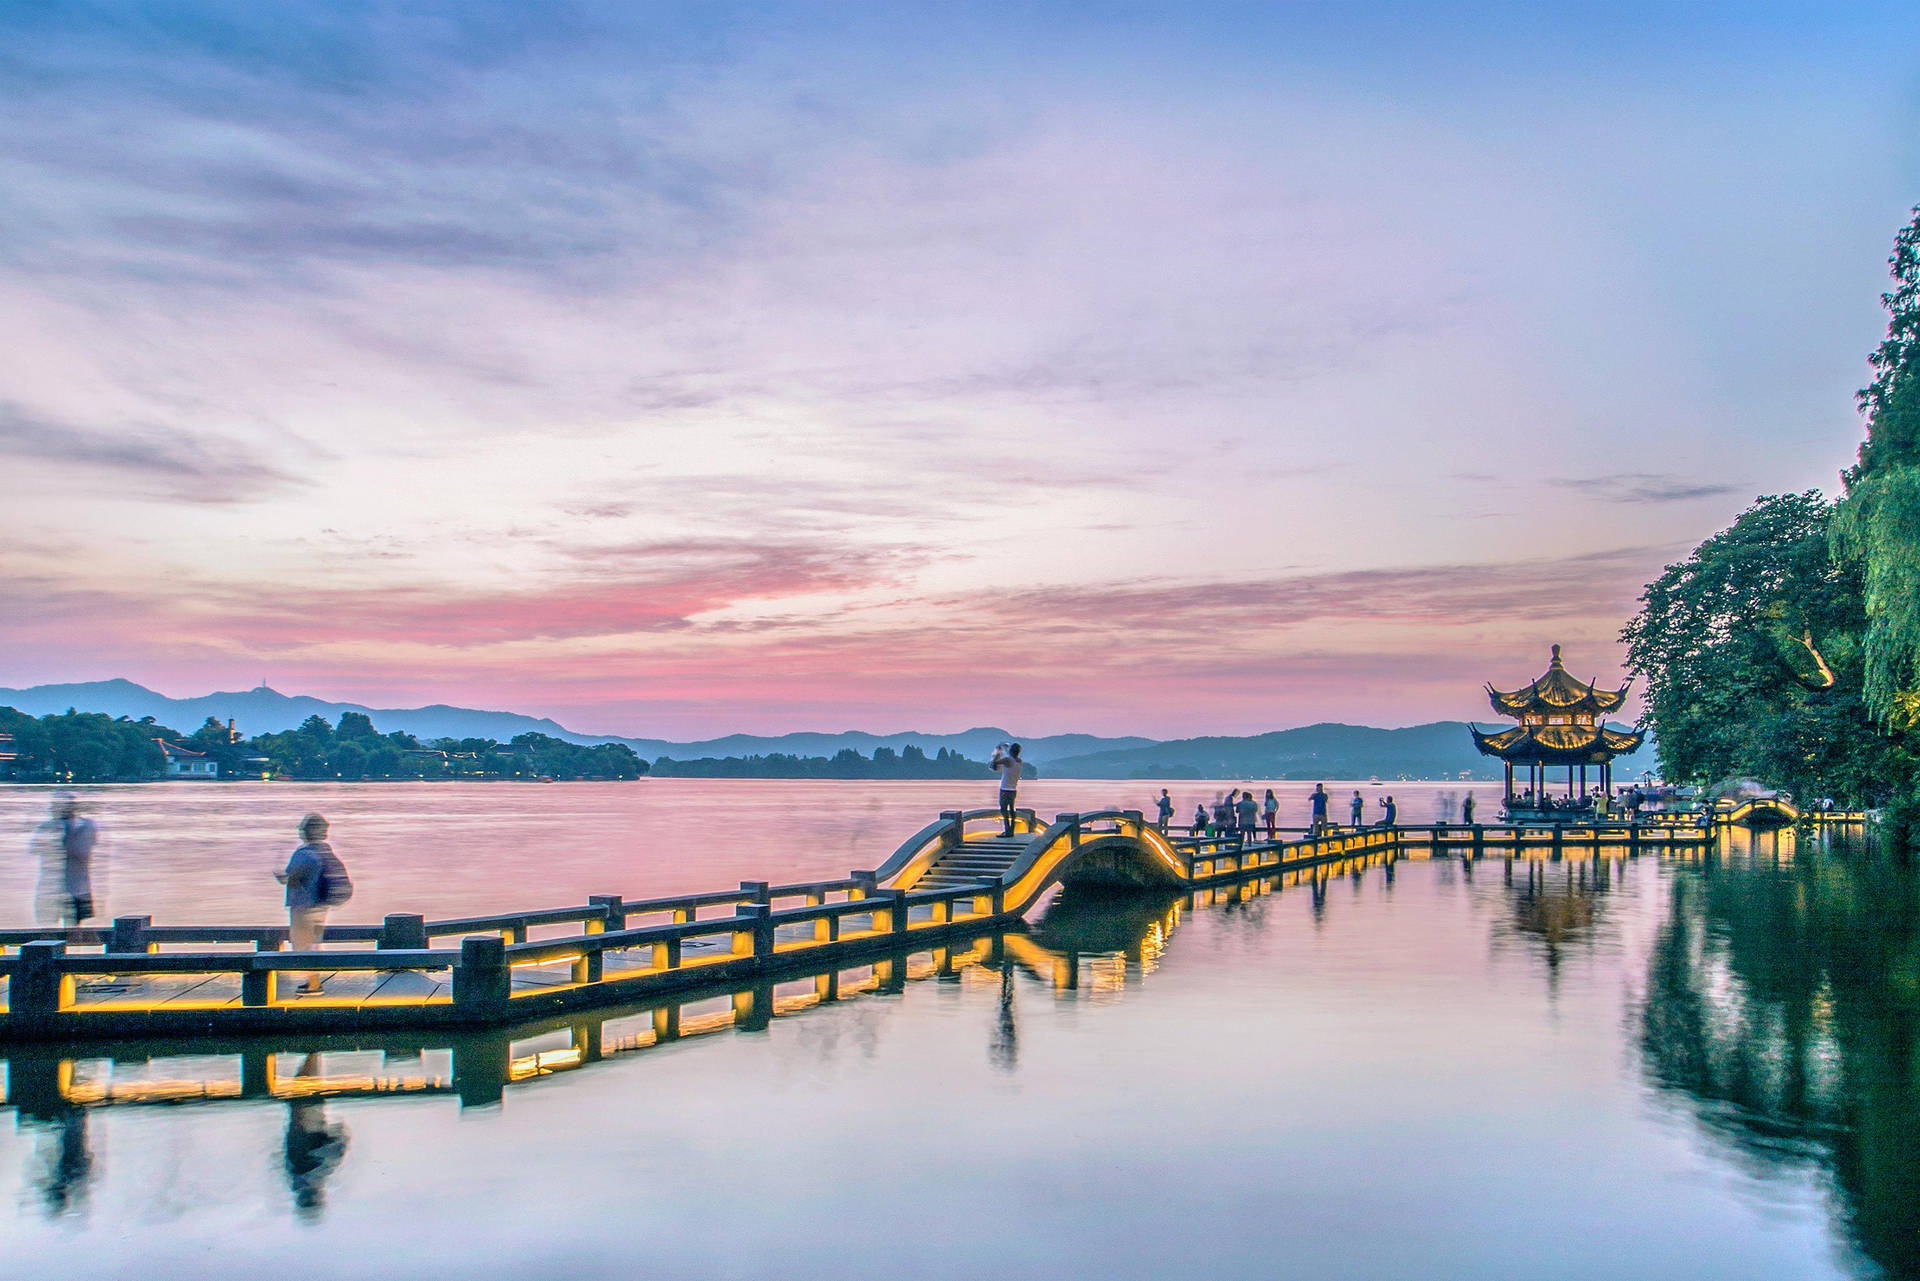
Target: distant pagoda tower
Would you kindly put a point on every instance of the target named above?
(1560, 724)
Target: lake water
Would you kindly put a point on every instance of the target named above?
(1626, 1067)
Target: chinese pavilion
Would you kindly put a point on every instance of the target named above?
(1560, 724)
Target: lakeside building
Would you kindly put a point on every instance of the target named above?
(1560, 725)
(184, 762)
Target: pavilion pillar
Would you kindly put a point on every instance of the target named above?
(1583, 778)
(1509, 765)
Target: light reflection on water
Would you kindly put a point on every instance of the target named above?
(1578, 1068)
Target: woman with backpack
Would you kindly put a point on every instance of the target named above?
(316, 880)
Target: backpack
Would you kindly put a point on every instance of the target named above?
(335, 887)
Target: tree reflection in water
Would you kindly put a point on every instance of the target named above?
(1783, 1003)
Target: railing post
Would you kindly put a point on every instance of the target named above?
(756, 891)
(130, 934)
(897, 912)
(758, 931)
(39, 987)
(956, 827)
(613, 914)
(863, 884)
(259, 986)
(589, 965)
(402, 930)
(482, 980)
(1073, 832)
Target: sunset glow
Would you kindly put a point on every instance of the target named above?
(680, 372)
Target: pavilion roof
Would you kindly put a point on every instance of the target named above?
(1557, 692)
(1557, 744)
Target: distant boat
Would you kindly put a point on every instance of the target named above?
(1374, 781)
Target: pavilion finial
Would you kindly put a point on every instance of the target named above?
(1556, 655)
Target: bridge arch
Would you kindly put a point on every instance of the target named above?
(1109, 847)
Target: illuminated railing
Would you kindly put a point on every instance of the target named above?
(613, 949)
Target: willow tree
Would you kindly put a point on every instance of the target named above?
(1750, 651)
(1876, 526)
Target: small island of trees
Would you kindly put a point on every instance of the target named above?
(89, 747)
(909, 762)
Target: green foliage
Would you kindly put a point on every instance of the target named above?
(88, 748)
(355, 727)
(1752, 659)
(84, 747)
(1877, 525)
(910, 762)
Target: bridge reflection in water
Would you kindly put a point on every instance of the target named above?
(1090, 945)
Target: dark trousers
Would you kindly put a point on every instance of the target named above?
(1006, 809)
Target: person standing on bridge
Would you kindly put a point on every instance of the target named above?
(1165, 805)
(316, 881)
(1246, 813)
(1006, 759)
(1391, 813)
(1200, 818)
(1359, 808)
(1270, 807)
(1466, 810)
(1317, 813)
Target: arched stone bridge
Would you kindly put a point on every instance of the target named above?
(1117, 848)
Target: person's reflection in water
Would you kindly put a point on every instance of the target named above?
(65, 1161)
(1004, 1050)
(314, 1148)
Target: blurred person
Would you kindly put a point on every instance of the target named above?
(1270, 806)
(1199, 818)
(1246, 815)
(1390, 812)
(1466, 810)
(1317, 809)
(1359, 808)
(64, 845)
(1165, 805)
(316, 881)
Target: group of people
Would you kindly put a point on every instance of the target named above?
(64, 846)
(1239, 817)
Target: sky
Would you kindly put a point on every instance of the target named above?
(684, 370)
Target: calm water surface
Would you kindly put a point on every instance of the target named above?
(1640, 1068)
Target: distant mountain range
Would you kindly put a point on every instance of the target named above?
(1439, 749)
(1442, 749)
(268, 711)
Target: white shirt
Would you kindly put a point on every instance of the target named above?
(1009, 768)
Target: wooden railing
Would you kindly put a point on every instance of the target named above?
(765, 927)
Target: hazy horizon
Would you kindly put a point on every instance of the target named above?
(871, 730)
(690, 370)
